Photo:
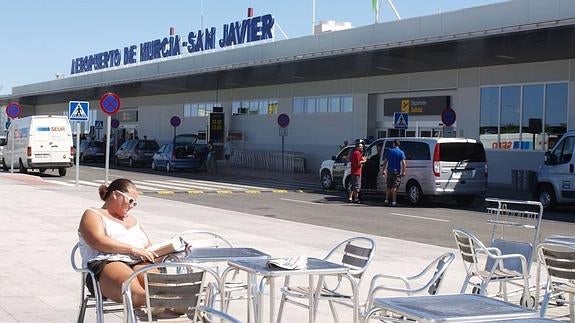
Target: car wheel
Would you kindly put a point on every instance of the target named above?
(154, 167)
(131, 162)
(465, 200)
(23, 169)
(546, 195)
(414, 193)
(62, 171)
(168, 167)
(327, 180)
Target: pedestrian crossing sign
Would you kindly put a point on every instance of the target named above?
(78, 110)
(400, 120)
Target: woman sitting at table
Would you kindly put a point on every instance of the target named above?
(113, 243)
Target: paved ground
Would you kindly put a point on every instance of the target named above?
(37, 283)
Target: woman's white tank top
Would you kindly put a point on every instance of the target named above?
(133, 236)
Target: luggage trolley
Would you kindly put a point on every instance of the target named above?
(516, 230)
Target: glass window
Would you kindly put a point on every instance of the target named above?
(510, 109)
(458, 151)
(532, 104)
(347, 104)
(555, 120)
(489, 120)
(309, 105)
(254, 107)
(334, 104)
(322, 104)
(236, 107)
(298, 105)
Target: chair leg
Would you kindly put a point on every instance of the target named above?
(82, 312)
(281, 308)
(333, 311)
(572, 307)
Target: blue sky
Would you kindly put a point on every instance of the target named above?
(39, 39)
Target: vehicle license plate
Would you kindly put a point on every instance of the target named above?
(42, 155)
(458, 173)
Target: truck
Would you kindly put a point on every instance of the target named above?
(556, 177)
(39, 142)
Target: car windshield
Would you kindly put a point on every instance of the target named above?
(148, 145)
(186, 139)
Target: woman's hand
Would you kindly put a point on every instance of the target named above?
(144, 254)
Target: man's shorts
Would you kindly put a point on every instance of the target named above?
(393, 180)
(355, 183)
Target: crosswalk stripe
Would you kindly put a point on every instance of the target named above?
(142, 186)
(187, 185)
(207, 183)
(60, 182)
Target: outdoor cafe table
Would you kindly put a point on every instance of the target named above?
(451, 308)
(222, 254)
(259, 267)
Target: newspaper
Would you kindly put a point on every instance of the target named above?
(169, 246)
(290, 263)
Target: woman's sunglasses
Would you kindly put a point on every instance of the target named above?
(132, 201)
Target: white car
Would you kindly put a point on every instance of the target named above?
(332, 170)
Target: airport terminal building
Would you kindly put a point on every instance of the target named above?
(506, 70)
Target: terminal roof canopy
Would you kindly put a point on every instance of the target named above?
(327, 56)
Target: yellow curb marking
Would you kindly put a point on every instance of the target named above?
(279, 191)
(252, 192)
(224, 192)
(165, 192)
(195, 192)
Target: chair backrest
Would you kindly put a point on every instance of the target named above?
(558, 259)
(204, 239)
(468, 245)
(355, 253)
(441, 264)
(172, 285)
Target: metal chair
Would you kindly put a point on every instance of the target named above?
(559, 262)
(173, 285)
(211, 313)
(486, 264)
(89, 300)
(355, 253)
(207, 239)
(411, 285)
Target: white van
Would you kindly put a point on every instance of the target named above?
(435, 166)
(556, 178)
(40, 142)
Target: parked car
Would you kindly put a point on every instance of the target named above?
(136, 152)
(331, 171)
(454, 167)
(556, 177)
(177, 156)
(2, 144)
(92, 150)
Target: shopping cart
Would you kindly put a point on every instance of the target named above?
(515, 230)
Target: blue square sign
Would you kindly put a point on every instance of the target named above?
(400, 120)
(78, 110)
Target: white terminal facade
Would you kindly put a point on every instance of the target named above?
(506, 69)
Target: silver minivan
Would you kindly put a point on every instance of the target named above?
(556, 177)
(435, 166)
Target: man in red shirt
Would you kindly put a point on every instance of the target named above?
(357, 159)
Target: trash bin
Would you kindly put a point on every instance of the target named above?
(522, 180)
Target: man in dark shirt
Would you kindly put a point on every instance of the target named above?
(393, 169)
(357, 159)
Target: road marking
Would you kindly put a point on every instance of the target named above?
(300, 201)
(279, 191)
(419, 217)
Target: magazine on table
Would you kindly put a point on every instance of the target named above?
(290, 263)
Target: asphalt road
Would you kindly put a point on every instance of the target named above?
(288, 199)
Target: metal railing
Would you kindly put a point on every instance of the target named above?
(293, 162)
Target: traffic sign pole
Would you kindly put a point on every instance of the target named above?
(77, 157)
(108, 129)
(12, 152)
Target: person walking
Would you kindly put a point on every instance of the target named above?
(228, 152)
(393, 170)
(357, 159)
(211, 158)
